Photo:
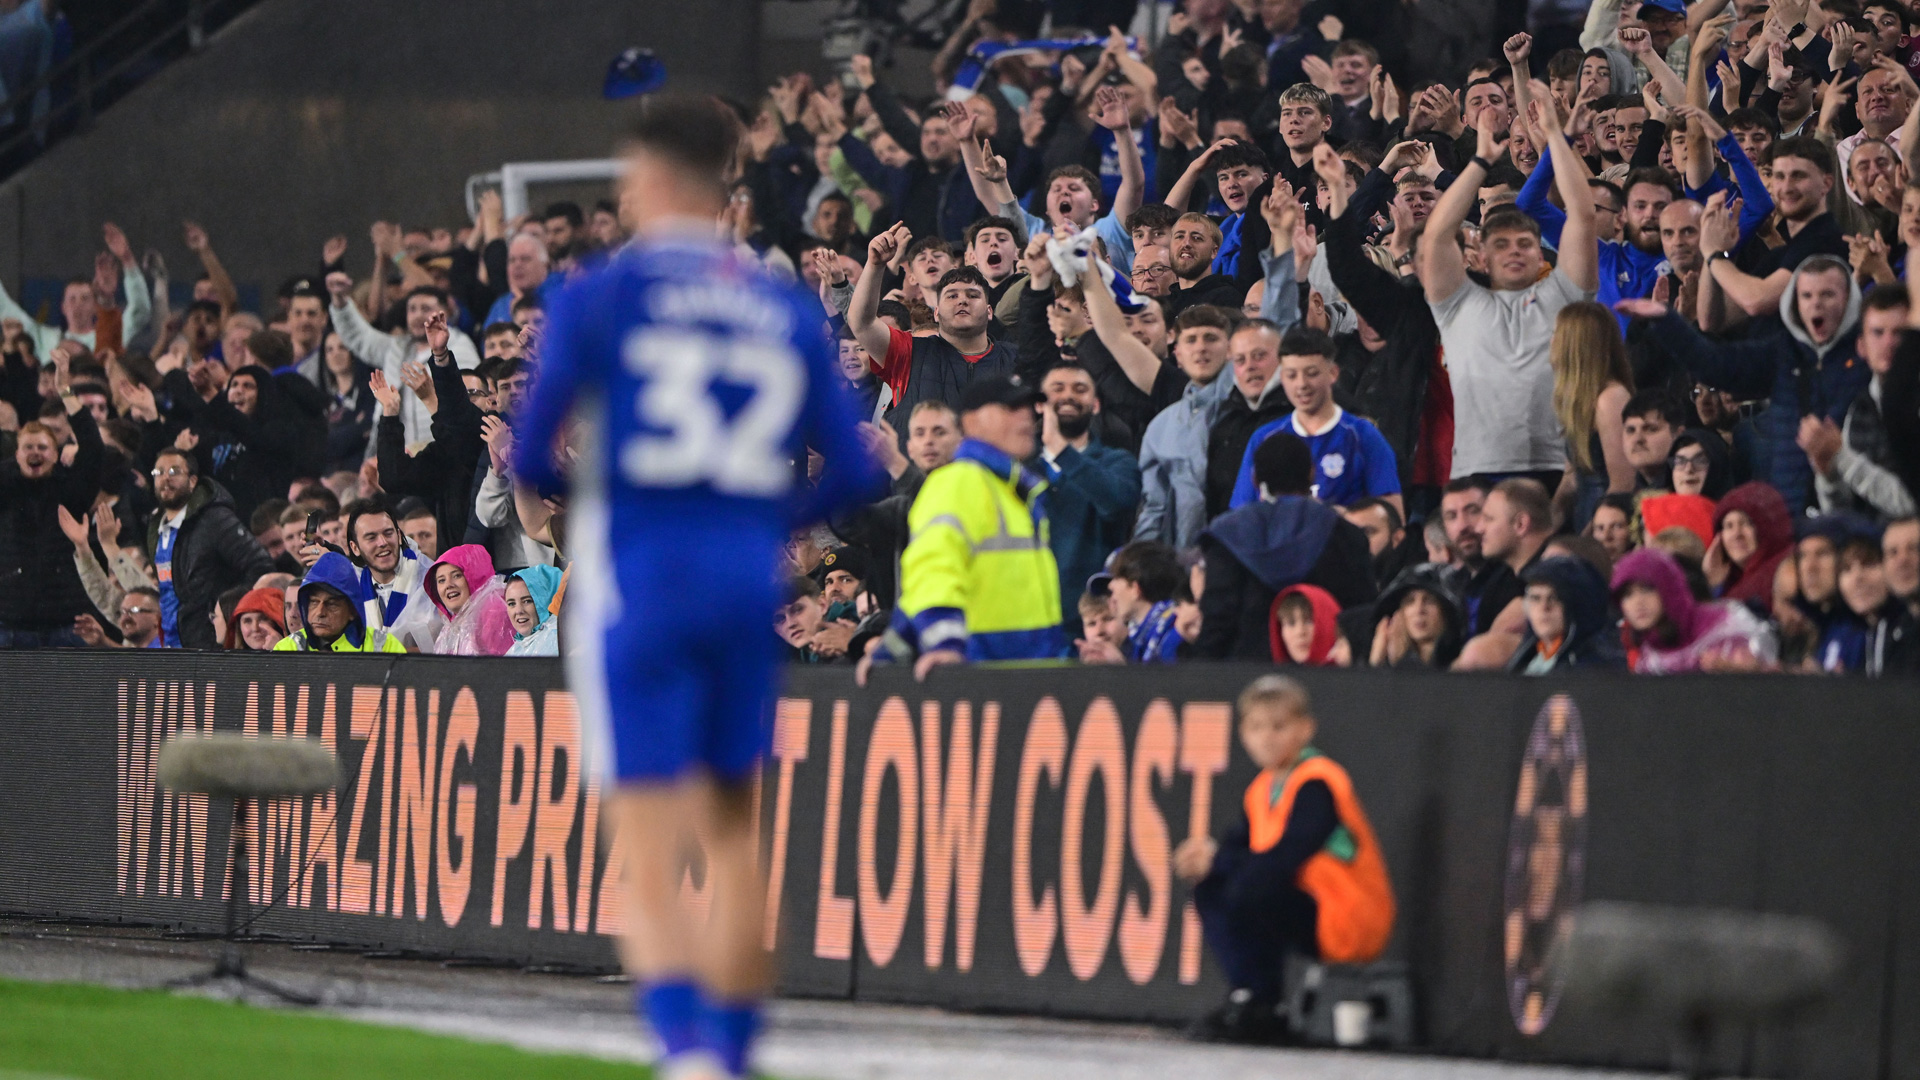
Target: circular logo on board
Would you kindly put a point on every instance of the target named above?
(1546, 860)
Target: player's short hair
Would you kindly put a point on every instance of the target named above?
(1750, 117)
(1655, 175)
(413, 508)
(1356, 47)
(564, 209)
(1394, 521)
(694, 131)
(1529, 497)
(186, 457)
(1886, 300)
(1076, 172)
(1565, 64)
(934, 405)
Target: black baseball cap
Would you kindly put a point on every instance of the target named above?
(998, 390)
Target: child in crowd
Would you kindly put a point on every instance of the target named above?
(1669, 632)
(1305, 628)
(1106, 640)
(1299, 872)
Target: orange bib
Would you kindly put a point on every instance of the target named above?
(1348, 877)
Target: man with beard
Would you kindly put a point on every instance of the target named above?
(1240, 172)
(201, 548)
(1754, 279)
(1631, 265)
(1880, 103)
(1093, 489)
(1490, 583)
(43, 594)
(392, 574)
(1194, 241)
(937, 367)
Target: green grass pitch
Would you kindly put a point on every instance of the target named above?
(73, 1032)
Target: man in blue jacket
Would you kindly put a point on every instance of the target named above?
(1802, 361)
(1093, 489)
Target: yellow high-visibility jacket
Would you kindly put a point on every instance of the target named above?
(978, 575)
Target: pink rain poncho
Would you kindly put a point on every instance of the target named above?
(481, 627)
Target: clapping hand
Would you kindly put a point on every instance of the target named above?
(385, 394)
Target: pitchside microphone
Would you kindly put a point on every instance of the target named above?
(1693, 969)
(239, 767)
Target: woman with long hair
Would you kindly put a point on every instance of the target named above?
(349, 404)
(1592, 381)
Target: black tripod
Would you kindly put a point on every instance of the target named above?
(232, 962)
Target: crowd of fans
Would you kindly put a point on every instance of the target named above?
(1599, 357)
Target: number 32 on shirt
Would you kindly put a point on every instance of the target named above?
(690, 439)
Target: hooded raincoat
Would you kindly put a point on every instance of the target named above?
(542, 583)
(1752, 584)
(1326, 625)
(334, 571)
(1697, 631)
(1589, 641)
(481, 626)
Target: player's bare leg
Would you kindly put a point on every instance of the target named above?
(701, 989)
(654, 829)
(735, 966)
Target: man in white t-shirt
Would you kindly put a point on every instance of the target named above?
(1496, 339)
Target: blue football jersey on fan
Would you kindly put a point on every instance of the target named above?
(1351, 461)
(702, 383)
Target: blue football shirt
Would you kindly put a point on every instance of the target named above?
(1351, 461)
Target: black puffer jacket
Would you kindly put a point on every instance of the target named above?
(214, 552)
(39, 588)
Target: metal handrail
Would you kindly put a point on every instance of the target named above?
(80, 65)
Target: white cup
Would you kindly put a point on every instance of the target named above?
(1350, 1021)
